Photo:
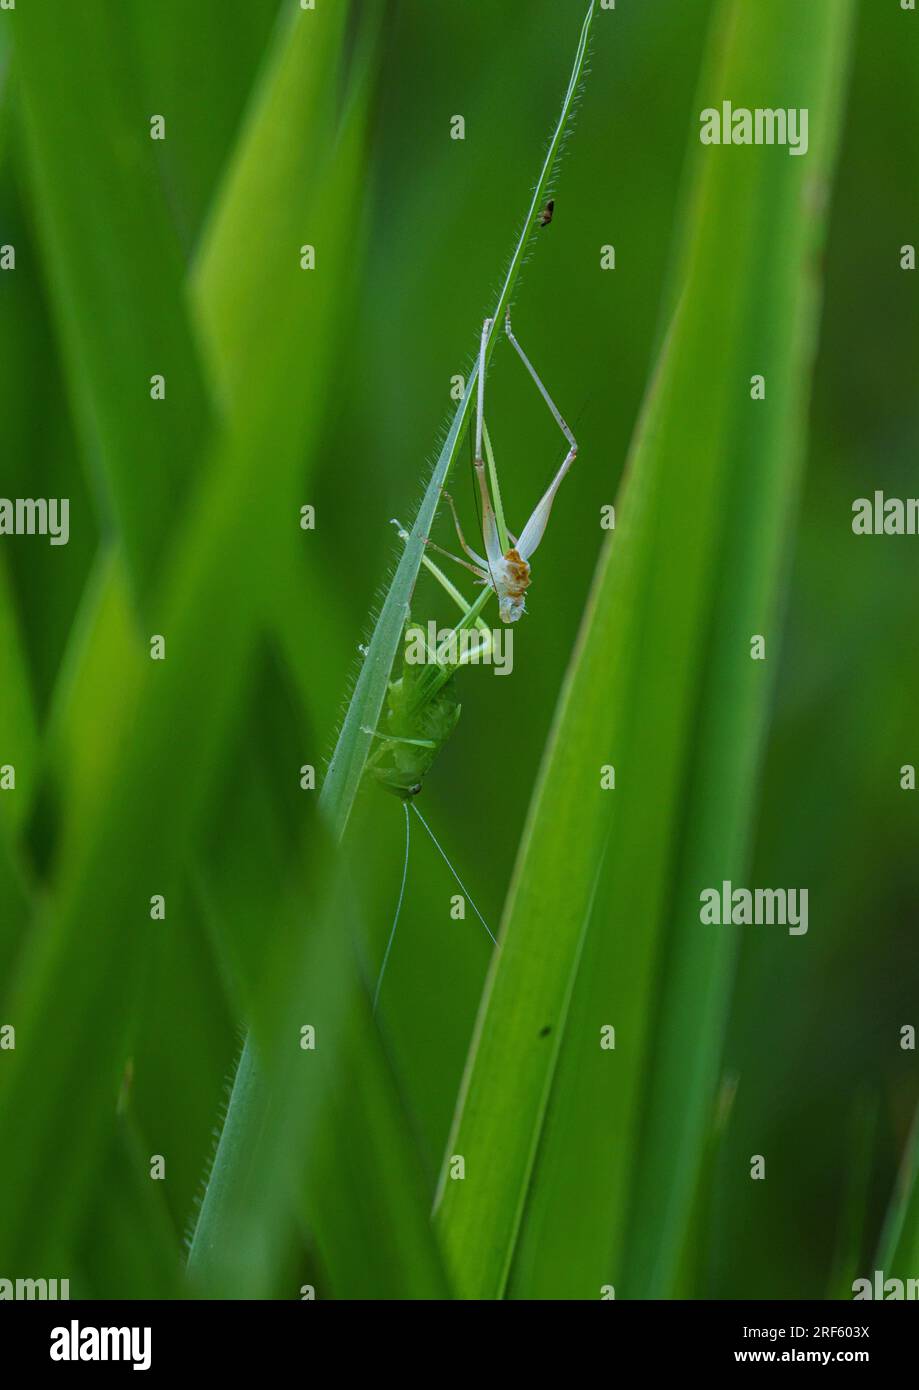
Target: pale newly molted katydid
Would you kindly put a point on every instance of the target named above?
(506, 566)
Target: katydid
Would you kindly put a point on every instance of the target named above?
(505, 566)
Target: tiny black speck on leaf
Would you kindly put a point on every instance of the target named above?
(544, 1032)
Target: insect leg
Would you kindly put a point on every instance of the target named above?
(458, 559)
(483, 646)
(533, 531)
(477, 570)
(459, 531)
(481, 651)
(556, 413)
(447, 586)
(393, 738)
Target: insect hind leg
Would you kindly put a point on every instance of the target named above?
(556, 413)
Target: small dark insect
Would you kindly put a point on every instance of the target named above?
(545, 217)
(544, 1032)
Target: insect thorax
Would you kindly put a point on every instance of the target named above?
(512, 579)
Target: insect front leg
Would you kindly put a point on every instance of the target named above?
(432, 545)
(459, 532)
(468, 610)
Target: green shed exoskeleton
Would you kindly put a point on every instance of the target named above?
(418, 718)
(422, 707)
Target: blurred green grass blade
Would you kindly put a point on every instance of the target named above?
(274, 189)
(661, 686)
(330, 632)
(349, 758)
(98, 681)
(304, 1134)
(281, 192)
(305, 1127)
(803, 54)
(287, 1144)
(209, 69)
(18, 731)
(180, 1073)
(77, 977)
(275, 415)
(129, 1243)
(141, 811)
(856, 1204)
(898, 1252)
(38, 440)
(378, 1233)
(278, 192)
(113, 261)
(16, 894)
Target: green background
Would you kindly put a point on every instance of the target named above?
(333, 388)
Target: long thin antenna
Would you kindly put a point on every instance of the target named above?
(453, 871)
(395, 920)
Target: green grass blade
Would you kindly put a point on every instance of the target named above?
(211, 69)
(18, 731)
(278, 185)
(129, 1241)
(805, 55)
(287, 1147)
(662, 687)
